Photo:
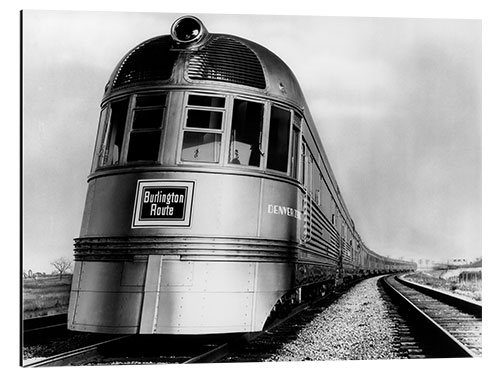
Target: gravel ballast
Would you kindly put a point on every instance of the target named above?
(357, 326)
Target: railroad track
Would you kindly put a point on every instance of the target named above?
(135, 349)
(452, 324)
(44, 328)
(265, 344)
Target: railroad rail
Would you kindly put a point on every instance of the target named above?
(75, 357)
(453, 323)
(43, 328)
(48, 322)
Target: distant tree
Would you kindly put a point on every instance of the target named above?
(61, 265)
(29, 275)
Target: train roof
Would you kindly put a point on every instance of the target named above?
(220, 61)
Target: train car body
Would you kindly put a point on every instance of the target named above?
(210, 198)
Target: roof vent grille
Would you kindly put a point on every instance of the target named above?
(150, 61)
(227, 60)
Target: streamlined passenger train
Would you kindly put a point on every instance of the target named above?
(211, 202)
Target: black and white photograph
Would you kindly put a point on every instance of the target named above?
(241, 188)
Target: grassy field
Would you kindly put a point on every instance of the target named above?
(45, 296)
(437, 279)
(49, 295)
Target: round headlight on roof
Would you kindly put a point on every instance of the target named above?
(187, 29)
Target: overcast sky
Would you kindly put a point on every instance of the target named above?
(397, 103)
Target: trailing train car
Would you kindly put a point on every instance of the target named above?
(210, 200)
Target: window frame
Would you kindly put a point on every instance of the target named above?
(317, 182)
(226, 127)
(129, 130)
(307, 167)
(103, 134)
(290, 131)
(264, 133)
(296, 158)
(103, 122)
(184, 128)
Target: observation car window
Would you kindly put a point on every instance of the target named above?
(150, 100)
(206, 101)
(332, 209)
(317, 179)
(307, 162)
(111, 147)
(145, 134)
(204, 119)
(204, 147)
(203, 129)
(325, 195)
(279, 132)
(246, 133)
(304, 162)
(296, 145)
(99, 147)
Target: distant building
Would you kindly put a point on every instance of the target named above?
(457, 262)
(425, 264)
